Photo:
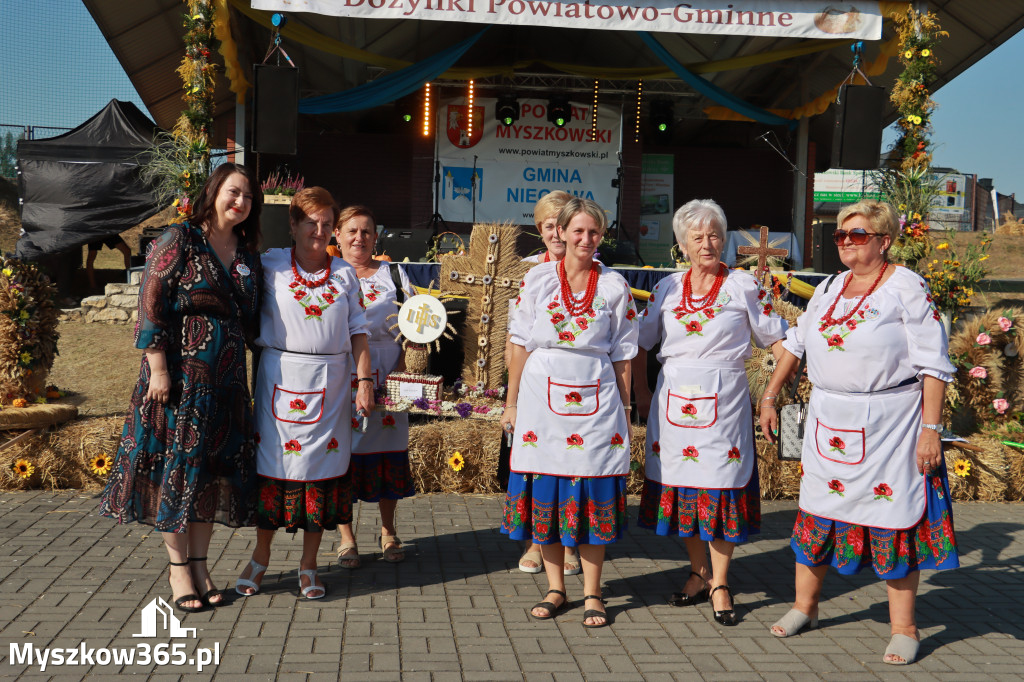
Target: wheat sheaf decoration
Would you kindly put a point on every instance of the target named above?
(28, 331)
(987, 351)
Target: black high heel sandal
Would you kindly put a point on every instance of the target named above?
(726, 617)
(205, 598)
(180, 601)
(683, 599)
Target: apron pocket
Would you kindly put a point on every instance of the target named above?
(844, 446)
(298, 407)
(691, 413)
(573, 399)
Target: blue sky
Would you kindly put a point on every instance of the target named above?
(57, 70)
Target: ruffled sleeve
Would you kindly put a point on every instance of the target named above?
(357, 322)
(796, 336)
(765, 324)
(157, 321)
(650, 321)
(523, 312)
(625, 324)
(927, 345)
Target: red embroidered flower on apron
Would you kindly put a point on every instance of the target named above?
(297, 405)
(734, 455)
(530, 439)
(883, 492)
(617, 442)
(574, 442)
(630, 314)
(689, 410)
(835, 486)
(573, 398)
(567, 338)
(767, 309)
(333, 445)
(388, 421)
(836, 444)
(355, 424)
(690, 454)
(292, 447)
(656, 449)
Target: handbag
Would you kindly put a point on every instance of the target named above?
(791, 422)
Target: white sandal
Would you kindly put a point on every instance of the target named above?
(793, 622)
(255, 569)
(311, 574)
(903, 646)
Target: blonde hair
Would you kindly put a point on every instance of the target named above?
(549, 206)
(350, 212)
(880, 215)
(577, 205)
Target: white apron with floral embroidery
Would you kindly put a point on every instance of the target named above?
(570, 420)
(859, 457)
(302, 417)
(699, 430)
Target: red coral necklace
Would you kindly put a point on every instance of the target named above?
(689, 304)
(569, 302)
(829, 320)
(310, 283)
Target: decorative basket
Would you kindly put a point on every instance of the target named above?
(406, 386)
(417, 358)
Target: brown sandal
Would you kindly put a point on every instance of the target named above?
(392, 549)
(349, 561)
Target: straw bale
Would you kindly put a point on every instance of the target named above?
(432, 443)
(779, 480)
(61, 456)
(987, 480)
(36, 416)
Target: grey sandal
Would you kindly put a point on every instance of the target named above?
(903, 646)
(793, 622)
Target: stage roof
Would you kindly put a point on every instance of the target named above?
(145, 35)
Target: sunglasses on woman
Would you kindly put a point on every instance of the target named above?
(858, 236)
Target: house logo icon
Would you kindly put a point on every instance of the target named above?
(158, 620)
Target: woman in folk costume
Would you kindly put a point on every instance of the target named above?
(873, 487)
(701, 474)
(380, 455)
(312, 327)
(545, 217)
(186, 456)
(574, 330)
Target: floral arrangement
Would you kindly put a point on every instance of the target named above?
(952, 279)
(28, 332)
(988, 389)
(283, 182)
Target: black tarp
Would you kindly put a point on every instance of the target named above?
(84, 185)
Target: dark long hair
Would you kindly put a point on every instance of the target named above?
(247, 231)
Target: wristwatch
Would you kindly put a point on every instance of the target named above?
(934, 427)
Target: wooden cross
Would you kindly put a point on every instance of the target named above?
(763, 251)
(489, 276)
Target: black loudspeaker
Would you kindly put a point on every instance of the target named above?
(275, 113)
(825, 254)
(274, 226)
(401, 244)
(857, 138)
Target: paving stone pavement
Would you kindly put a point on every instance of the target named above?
(457, 608)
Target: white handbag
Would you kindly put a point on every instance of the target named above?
(791, 423)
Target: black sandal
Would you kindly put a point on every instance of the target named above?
(210, 593)
(549, 607)
(594, 613)
(180, 601)
(683, 599)
(728, 616)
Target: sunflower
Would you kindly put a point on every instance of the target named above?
(100, 464)
(23, 468)
(962, 468)
(456, 461)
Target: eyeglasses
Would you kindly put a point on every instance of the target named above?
(858, 236)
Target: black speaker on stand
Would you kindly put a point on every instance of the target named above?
(857, 138)
(825, 253)
(275, 114)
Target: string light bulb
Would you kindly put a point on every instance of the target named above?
(639, 100)
(593, 113)
(469, 116)
(426, 110)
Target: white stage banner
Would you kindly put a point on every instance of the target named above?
(776, 18)
(516, 165)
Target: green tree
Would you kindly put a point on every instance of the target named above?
(8, 155)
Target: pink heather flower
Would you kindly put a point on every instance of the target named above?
(983, 339)
(978, 372)
(1000, 405)
(1005, 324)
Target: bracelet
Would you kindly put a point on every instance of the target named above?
(508, 406)
(627, 408)
(934, 427)
(770, 395)
(768, 400)
(365, 378)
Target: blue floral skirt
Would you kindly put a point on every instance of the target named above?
(572, 511)
(893, 554)
(381, 476)
(714, 514)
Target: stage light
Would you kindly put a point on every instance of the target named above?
(593, 114)
(559, 111)
(469, 109)
(426, 110)
(506, 111)
(639, 101)
(661, 115)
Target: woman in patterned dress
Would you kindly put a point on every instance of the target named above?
(186, 455)
(701, 474)
(311, 327)
(873, 486)
(380, 455)
(573, 334)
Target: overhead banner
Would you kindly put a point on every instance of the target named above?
(498, 172)
(781, 18)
